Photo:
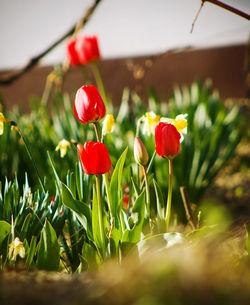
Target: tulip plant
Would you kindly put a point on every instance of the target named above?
(110, 230)
(111, 196)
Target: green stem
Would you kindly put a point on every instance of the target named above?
(97, 132)
(138, 126)
(105, 176)
(99, 81)
(12, 228)
(148, 169)
(170, 187)
(106, 181)
(29, 154)
(99, 203)
(147, 190)
(122, 222)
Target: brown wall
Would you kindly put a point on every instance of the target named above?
(227, 67)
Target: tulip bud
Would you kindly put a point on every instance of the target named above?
(140, 152)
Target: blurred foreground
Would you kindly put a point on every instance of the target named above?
(211, 270)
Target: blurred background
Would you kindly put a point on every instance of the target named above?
(143, 43)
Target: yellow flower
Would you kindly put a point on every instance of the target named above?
(180, 123)
(150, 121)
(2, 120)
(108, 124)
(63, 146)
(16, 248)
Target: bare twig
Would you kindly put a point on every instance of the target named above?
(196, 17)
(229, 8)
(222, 5)
(187, 206)
(10, 77)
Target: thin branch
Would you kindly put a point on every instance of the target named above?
(224, 6)
(229, 8)
(10, 77)
(196, 17)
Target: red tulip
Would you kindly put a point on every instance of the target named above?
(167, 140)
(71, 52)
(87, 49)
(88, 105)
(94, 158)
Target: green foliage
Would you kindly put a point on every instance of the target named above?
(5, 229)
(80, 209)
(48, 253)
(160, 242)
(134, 235)
(65, 223)
(115, 184)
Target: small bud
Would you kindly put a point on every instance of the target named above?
(140, 152)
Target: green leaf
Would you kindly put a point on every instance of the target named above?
(114, 242)
(134, 235)
(90, 257)
(96, 225)
(124, 107)
(55, 172)
(32, 249)
(81, 209)
(160, 205)
(26, 225)
(48, 254)
(136, 187)
(159, 201)
(5, 229)
(79, 180)
(160, 241)
(115, 185)
(202, 232)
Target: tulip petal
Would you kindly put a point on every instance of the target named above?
(99, 158)
(87, 48)
(83, 158)
(88, 105)
(94, 158)
(72, 53)
(167, 140)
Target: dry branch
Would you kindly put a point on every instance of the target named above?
(222, 5)
(12, 76)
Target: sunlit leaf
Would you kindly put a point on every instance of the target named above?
(48, 254)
